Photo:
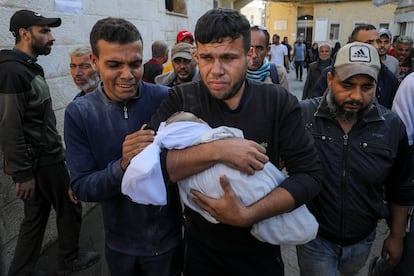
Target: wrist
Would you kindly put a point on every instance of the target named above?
(399, 236)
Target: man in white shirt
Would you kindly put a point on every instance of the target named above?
(278, 53)
(383, 49)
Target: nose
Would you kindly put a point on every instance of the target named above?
(253, 51)
(126, 73)
(356, 94)
(51, 37)
(217, 68)
(79, 72)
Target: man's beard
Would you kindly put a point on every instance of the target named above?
(340, 114)
(40, 49)
(92, 83)
(188, 78)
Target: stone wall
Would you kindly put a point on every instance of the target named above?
(154, 23)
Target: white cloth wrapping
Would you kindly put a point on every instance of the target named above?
(144, 184)
(143, 181)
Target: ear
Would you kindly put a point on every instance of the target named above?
(329, 79)
(94, 60)
(194, 53)
(250, 52)
(24, 33)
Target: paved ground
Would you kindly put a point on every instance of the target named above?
(92, 237)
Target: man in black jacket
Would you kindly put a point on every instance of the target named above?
(272, 123)
(364, 153)
(33, 150)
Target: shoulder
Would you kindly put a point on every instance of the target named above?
(313, 65)
(267, 89)
(153, 89)
(391, 118)
(389, 77)
(392, 59)
(165, 79)
(311, 103)
(407, 85)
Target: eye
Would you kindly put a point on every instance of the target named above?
(228, 58)
(367, 87)
(206, 58)
(85, 66)
(347, 86)
(136, 64)
(113, 64)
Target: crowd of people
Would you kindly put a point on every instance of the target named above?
(346, 149)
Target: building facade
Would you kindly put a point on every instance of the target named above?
(326, 22)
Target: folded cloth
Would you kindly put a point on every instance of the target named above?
(143, 181)
(145, 185)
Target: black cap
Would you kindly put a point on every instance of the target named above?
(25, 19)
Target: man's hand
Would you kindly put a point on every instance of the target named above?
(244, 155)
(25, 190)
(228, 209)
(72, 196)
(392, 249)
(134, 144)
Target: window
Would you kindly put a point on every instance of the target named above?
(334, 31)
(176, 6)
(384, 26)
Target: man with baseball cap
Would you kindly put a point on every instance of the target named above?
(33, 152)
(364, 153)
(183, 36)
(184, 67)
(384, 46)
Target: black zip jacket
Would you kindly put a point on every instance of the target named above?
(360, 169)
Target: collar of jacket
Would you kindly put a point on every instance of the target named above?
(373, 115)
(106, 100)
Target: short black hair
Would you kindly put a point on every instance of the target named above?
(114, 30)
(217, 24)
(357, 29)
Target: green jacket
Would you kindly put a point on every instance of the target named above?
(28, 135)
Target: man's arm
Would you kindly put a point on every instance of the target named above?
(230, 210)
(403, 105)
(393, 244)
(90, 180)
(287, 63)
(17, 153)
(297, 150)
(241, 154)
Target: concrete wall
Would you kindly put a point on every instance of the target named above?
(153, 22)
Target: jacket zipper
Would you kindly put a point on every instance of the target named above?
(343, 184)
(125, 112)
